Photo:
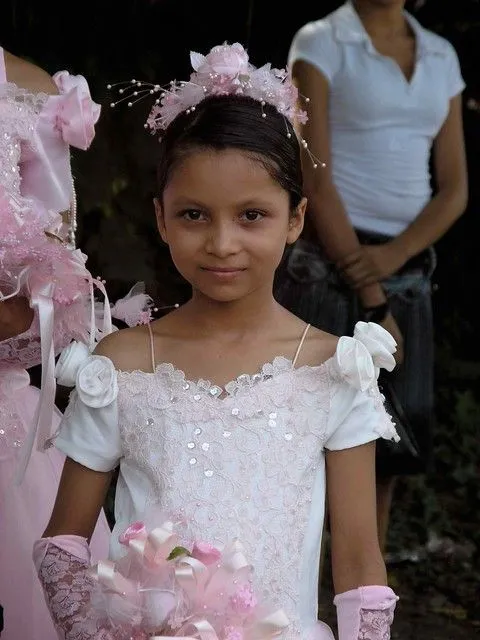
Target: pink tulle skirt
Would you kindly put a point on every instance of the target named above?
(24, 514)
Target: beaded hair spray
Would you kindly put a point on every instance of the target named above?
(224, 71)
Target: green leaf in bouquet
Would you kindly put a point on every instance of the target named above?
(176, 552)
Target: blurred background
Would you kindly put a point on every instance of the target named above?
(435, 536)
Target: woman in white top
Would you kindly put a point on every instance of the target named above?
(384, 93)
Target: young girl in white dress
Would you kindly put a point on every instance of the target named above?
(230, 410)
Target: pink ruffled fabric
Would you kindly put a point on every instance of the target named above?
(67, 119)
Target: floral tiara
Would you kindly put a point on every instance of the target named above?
(224, 71)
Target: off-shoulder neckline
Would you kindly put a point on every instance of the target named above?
(270, 369)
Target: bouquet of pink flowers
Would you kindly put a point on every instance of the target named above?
(161, 589)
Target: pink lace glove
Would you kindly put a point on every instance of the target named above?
(365, 613)
(62, 564)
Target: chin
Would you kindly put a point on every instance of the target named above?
(222, 296)
(221, 293)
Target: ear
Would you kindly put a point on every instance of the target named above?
(297, 220)
(160, 219)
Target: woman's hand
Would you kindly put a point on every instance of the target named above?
(371, 264)
(16, 316)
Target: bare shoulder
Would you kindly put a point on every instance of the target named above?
(128, 349)
(319, 347)
(28, 76)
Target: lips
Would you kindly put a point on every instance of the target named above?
(223, 269)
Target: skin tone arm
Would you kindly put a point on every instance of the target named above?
(333, 227)
(16, 316)
(80, 498)
(28, 75)
(375, 263)
(356, 556)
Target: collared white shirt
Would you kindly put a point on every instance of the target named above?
(382, 126)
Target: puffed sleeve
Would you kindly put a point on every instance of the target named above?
(357, 413)
(455, 80)
(66, 120)
(89, 432)
(315, 43)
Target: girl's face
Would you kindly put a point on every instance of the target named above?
(226, 222)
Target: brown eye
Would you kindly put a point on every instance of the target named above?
(192, 215)
(252, 216)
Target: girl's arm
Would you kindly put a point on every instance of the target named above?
(16, 316)
(365, 605)
(356, 555)
(62, 556)
(80, 498)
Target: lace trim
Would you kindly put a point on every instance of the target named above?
(242, 383)
(68, 590)
(35, 101)
(25, 349)
(375, 624)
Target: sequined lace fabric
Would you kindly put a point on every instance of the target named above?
(19, 111)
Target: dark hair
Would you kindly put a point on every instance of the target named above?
(235, 122)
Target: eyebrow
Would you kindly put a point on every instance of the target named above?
(185, 201)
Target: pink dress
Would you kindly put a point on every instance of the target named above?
(36, 132)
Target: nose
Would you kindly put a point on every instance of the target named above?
(222, 240)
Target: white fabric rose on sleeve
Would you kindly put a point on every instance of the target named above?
(354, 363)
(69, 363)
(97, 384)
(379, 342)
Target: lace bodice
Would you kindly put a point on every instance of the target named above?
(237, 465)
(245, 461)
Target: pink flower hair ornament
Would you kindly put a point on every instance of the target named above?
(225, 70)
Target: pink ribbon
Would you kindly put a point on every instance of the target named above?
(13, 379)
(205, 586)
(41, 300)
(75, 111)
(155, 548)
(41, 295)
(150, 604)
